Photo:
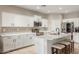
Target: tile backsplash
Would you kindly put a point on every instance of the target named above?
(15, 29)
(18, 29)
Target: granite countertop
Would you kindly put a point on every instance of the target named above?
(15, 33)
(51, 37)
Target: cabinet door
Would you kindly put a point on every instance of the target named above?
(76, 37)
(24, 40)
(7, 20)
(44, 23)
(30, 39)
(76, 22)
(18, 42)
(18, 21)
(7, 43)
(29, 21)
(23, 21)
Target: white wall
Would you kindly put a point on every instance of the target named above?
(71, 15)
(54, 21)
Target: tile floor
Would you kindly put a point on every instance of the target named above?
(31, 50)
(76, 48)
(27, 50)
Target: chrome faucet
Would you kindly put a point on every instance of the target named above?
(58, 30)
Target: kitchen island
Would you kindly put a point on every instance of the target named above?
(44, 43)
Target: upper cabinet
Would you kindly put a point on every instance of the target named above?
(44, 22)
(23, 21)
(7, 19)
(17, 20)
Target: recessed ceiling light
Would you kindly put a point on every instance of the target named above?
(60, 8)
(37, 7)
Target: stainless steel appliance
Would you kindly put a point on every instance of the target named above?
(67, 27)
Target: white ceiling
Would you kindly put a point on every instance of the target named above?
(52, 8)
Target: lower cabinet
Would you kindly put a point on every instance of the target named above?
(16, 41)
(8, 43)
(76, 37)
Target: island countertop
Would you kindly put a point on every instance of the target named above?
(44, 43)
(54, 36)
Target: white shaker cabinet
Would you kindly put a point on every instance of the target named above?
(76, 22)
(29, 21)
(16, 42)
(16, 20)
(30, 39)
(44, 22)
(76, 37)
(23, 21)
(11, 42)
(7, 20)
(8, 43)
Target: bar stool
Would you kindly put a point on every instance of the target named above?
(72, 46)
(67, 46)
(58, 49)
